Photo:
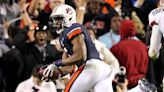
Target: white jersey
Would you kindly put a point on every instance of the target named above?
(156, 21)
(29, 86)
(156, 16)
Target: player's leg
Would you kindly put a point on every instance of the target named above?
(87, 77)
(104, 86)
(106, 77)
(81, 81)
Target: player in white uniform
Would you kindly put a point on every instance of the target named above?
(156, 21)
(79, 50)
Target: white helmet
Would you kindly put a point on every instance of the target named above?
(62, 16)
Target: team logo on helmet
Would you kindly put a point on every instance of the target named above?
(69, 10)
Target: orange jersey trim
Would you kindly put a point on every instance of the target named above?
(73, 78)
(73, 70)
(74, 33)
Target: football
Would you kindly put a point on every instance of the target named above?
(56, 73)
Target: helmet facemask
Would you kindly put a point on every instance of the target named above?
(58, 23)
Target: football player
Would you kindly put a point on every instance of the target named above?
(78, 49)
(156, 21)
(156, 18)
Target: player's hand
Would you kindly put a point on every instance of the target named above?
(46, 79)
(49, 71)
(153, 55)
(81, 3)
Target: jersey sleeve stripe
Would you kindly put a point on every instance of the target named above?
(74, 33)
(73, 78)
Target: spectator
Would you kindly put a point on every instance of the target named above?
(39, 51)
(94, 13)
(138, 24)
(26, 55)
(9, 10)
(35, 84)
(43, 16)
(112, 37)
(143, 8)
(3, 49)
(135, 58)
(12, 68)
(105, 53)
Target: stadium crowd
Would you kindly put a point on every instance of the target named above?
(120, 29)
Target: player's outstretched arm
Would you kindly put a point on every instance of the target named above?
(155, 42)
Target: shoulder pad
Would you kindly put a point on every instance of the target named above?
(74, 30)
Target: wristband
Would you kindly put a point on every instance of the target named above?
(59, 63)
(82, 8)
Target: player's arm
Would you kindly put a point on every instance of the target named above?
(79, 55)
(79, 49)
(155, 42)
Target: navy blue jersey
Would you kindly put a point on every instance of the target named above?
(73, 31)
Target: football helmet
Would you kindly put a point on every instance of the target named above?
(62, 16)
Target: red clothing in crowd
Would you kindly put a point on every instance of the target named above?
(131, 53)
